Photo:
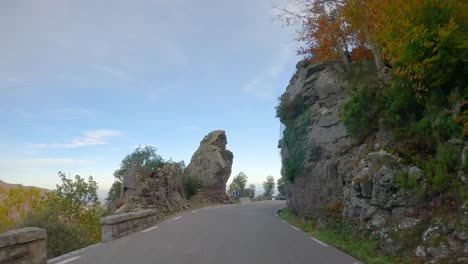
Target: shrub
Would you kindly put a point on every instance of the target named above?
(70, 215)
(439, 169)
(401, 105)
(359, 113)
(295, 139)
(191, 186)
(17, 202)
(63, 235)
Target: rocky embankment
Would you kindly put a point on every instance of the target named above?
(333, 175)
(163, 190)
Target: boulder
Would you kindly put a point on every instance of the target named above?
(161, 189)
(211, 166)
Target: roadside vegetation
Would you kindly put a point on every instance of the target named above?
(422, 45)
(239, 184)
(268, 186)
(347, 237)
(70, 214)
(416, 52)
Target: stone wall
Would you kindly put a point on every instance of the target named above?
(25, 245)
(120, 225)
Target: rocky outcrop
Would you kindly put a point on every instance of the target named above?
(211, 166)
(359, 181)
(161, 189)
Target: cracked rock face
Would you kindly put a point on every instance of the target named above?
(318, 89)
(358, 181)
(211, 165)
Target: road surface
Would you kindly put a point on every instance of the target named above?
(239, 234)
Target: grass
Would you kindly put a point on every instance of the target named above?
(347, 238)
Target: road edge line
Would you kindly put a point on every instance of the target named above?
(57, 259)
(318, 241)
(68, 260)
(149, 229)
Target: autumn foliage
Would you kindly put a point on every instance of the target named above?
(423, 42)
(413, 35)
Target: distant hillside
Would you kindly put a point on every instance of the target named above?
(7, 186)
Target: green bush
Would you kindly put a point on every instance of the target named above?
(70, 215)
(295, 139)
(114, 192)
(359, 113)
(144, 157)
(191, 186)
(63, 235)
(400, 105)
(442, 166)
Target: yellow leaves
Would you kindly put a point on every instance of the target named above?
(16, 203)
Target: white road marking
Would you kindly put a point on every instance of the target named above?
(194, 211)
(318, 241)
(284, 221)
(295, 228)
(68, 260)
(149, 229)
(177, 217)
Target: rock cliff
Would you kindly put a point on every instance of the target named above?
(211, 166)
(332, 175)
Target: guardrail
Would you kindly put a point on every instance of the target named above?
(25, 245)
(115, 226)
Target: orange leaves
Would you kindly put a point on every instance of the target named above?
(415, 36)
(361, 53)
(322, 39)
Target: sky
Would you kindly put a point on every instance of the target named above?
(84, 82)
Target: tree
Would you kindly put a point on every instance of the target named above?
(75, 196)
(114, 192)
(427, 44)
(251, 191)
(70, 215)
(269, 186)
(145, 158)
(282, 187)
(238, 184)
(330, 28)
(17, 203)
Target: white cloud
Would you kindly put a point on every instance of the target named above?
(90, 138)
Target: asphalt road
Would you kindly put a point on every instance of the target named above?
(241, 233)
